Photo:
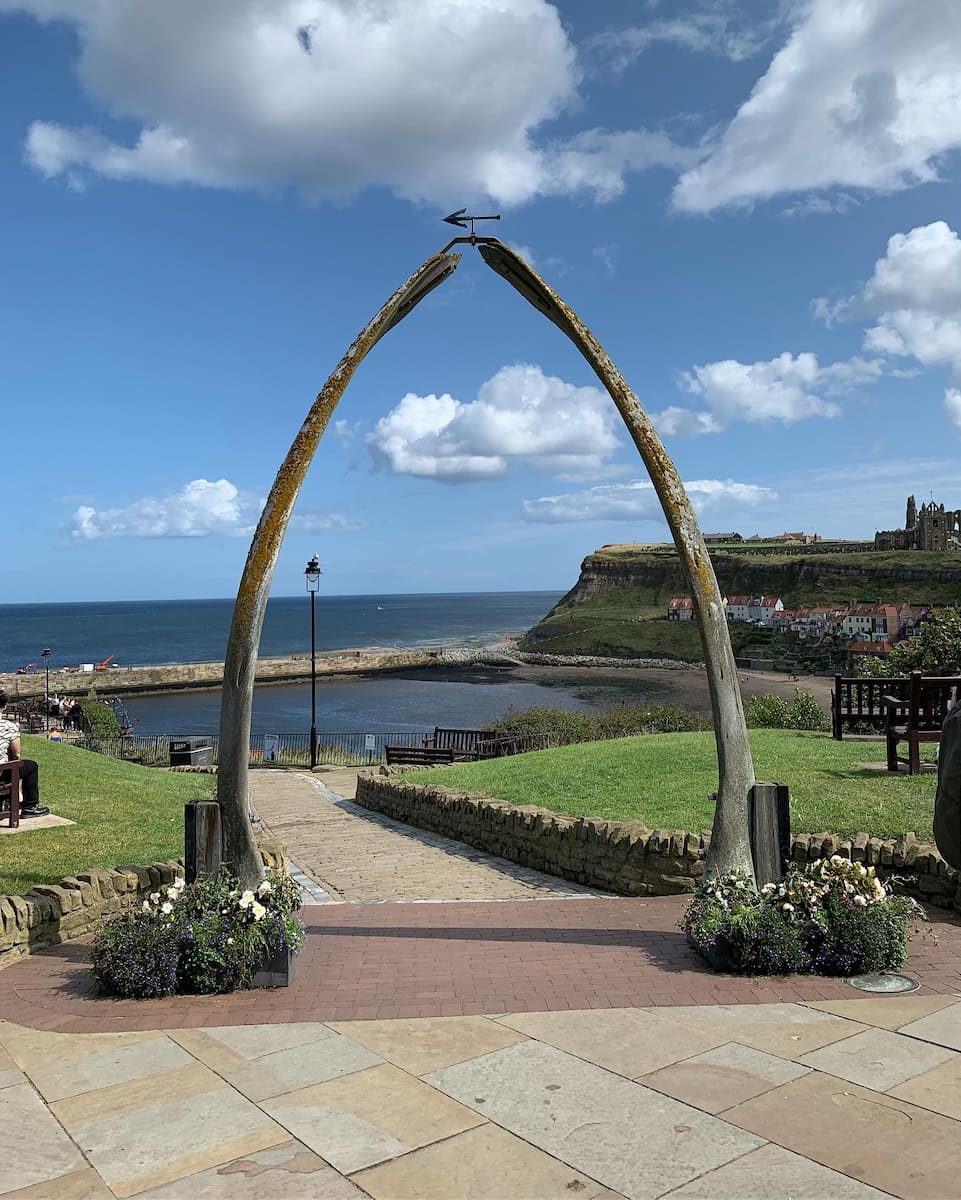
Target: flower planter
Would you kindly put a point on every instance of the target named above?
(718, 956)
(277, 971)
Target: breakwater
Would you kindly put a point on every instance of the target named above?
(209, 675)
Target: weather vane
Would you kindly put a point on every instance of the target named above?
(460, 219)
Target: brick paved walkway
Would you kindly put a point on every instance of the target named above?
(429, 960)
(362, 856)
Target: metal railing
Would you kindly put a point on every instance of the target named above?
(293, 749)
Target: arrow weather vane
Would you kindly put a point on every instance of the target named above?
(460, 219)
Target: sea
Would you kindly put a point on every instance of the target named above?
(148, 633)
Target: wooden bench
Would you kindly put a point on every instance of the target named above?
(418, 756)
(918, 717)
(465, 742)
(860, 702)
(10, 790)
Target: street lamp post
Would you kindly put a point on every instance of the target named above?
(45, 655)
(312, 576)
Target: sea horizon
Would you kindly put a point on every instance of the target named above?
(168, 632)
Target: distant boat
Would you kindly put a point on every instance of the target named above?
(380, 608)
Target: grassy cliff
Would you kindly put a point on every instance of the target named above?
(618, 604)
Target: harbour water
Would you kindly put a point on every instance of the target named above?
(163, 632)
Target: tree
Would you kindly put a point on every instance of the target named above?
(935, 649)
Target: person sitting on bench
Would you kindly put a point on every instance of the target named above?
(29, 772)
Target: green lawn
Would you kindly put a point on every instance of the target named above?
(124, 814)
(664, 780)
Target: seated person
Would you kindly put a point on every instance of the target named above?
(29, 772)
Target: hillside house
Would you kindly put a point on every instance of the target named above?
(753, 608)
(910, 617)
(681, 608)
(859, 650)
(872, 622)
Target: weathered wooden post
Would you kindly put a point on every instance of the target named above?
(203, 839)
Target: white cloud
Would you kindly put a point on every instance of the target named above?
(862, 95)
(788, 388)
(520, 415)
(202, 508)
(637, 501)
(952, 406)
(716, 28)
(914, 300)
(431, 99)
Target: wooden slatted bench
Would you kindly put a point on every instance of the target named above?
(10, 790)
(418, 756)
(918, 717)
(859, 702)
(465, 742)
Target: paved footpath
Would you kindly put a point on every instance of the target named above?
(358, 855)
(527, 1049)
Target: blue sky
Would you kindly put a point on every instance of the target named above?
(754, 206)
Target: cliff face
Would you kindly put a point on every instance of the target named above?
(654, 576)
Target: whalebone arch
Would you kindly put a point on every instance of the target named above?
(729, 846)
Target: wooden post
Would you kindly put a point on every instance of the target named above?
(203, 839)
(770, 831)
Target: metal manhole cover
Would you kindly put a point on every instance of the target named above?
(884, 982)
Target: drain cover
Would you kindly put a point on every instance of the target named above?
(884, 982)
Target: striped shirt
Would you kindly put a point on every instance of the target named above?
(9, 731)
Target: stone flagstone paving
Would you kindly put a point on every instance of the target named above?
(533, 1106)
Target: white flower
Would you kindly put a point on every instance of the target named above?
(265, 887)
(258, 910)
(180, 883)
(155, 897)
(246, 899)
(230, 941)
(789, 908)
(166, 908)
(861, 900)
(146, 906)
(173, 893)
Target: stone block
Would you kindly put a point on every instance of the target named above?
(65, 899)
(21, 911)
(43, 908)
(83, 890)
(859, 847)
(674, 885)
(8, 915)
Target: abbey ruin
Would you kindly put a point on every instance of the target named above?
(931, 528)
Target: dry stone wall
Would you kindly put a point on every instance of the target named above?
(626, 857)
(55, 913)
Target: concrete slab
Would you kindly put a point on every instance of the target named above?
(35, 1148)
(486, 1163)
(626, 1136)
(884, 1012)
(300, 1066)
(877, 1059)
(368, 1117)
(720, 1078)
(938, 1089)
(31, 1048)
(84, 1184)
(943, 1027)
(787, 1030)
(50, 821)
(429, 1043)
(140, 1134)
(876, 1139)
(90, 1072)
(291, 1171)
(775, 1172)
(628, 1041)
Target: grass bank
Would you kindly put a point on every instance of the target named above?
(124, 813)
(664, 780)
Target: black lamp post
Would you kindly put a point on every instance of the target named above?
(45, 655)
(312, 575)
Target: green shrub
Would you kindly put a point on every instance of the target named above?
(623, 720)
(806, 713)
(773, 712)
(767, 712)
(208, 938)
(101, 717)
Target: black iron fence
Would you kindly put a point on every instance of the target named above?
(293, 749)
